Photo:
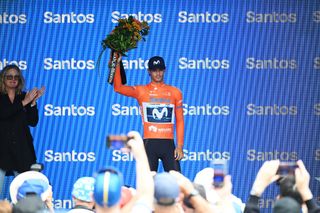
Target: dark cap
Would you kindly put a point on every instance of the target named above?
(156, 62)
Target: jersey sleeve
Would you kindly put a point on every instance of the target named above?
(118, 87)
(179, 118)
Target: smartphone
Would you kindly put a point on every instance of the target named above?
(117, 141)
(220, 168)
(287, 168)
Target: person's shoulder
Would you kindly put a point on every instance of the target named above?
(174, 89)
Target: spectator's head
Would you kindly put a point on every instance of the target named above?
(166, 189)
(288, 189)
(30, 183)
(30, 204)
(285, 205)
(107, 188)
(11, 76)
(83, 190)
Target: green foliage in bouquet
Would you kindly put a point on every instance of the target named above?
(126, 35)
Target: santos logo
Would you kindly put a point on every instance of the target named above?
(118, 110)
(70, 18)
(148, 17)
(253, 109)
(73, 156)
(252, 63)
(6, 18)
(50, 110)
(50, 64)
(185, 63)
(253, 155)
(207, 155)
(207, 17)
(135, 64)
(274, 17)
(205, 110)
(21, 64)
(62, 204)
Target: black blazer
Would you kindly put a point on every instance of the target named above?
(16, 143)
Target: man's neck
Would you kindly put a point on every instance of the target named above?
(157, 83)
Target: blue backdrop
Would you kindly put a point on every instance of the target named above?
(249, 72)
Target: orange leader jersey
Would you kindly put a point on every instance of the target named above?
(159, 104)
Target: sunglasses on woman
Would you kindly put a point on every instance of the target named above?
(11, 77)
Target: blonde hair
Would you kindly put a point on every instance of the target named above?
(4, 72)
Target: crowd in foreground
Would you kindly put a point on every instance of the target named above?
(162, 192)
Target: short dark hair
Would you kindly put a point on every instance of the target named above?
(288, 188)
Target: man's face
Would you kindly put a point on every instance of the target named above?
(156, 75)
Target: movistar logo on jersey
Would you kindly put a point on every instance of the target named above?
(158, 113)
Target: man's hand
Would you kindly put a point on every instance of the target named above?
(117, 55)
(302, 181)
(266, 175)
(136, 146)
(178, 153)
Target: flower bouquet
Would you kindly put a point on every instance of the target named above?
(124, 37)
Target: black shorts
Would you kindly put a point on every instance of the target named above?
(162, 149)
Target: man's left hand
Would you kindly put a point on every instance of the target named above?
(178, 153)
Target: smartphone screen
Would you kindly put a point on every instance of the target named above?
(117, 141)
(287, 168)
(220, 168)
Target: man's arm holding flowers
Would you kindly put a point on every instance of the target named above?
(117, 84)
